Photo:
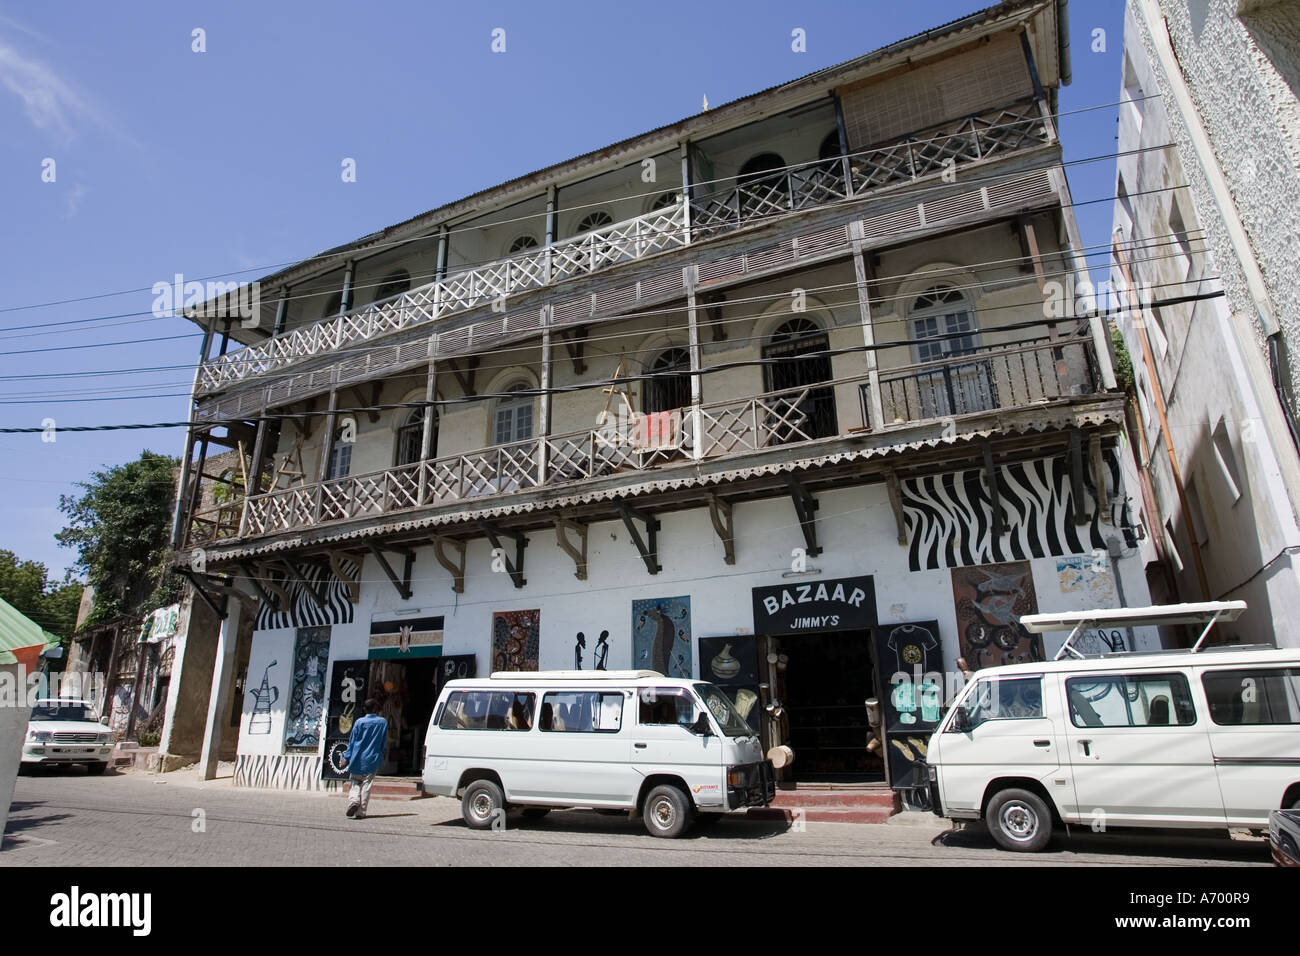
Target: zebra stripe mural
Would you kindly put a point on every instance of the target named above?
(950, 518)
(303, 611)
(279, 771)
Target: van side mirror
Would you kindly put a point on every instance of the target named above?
(701, 726)
(960, 722)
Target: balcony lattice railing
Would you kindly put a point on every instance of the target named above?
(820, 183)
(998, 377)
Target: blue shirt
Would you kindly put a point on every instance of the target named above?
(367, 745)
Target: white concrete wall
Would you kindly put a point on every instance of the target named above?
(13, 728)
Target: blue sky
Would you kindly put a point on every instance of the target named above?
(167, 160)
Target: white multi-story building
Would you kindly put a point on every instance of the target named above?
(768, 396)
(1208, 192)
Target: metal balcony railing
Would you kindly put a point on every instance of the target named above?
(757, 200)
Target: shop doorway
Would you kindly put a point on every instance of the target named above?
(406, 691)
(827, 677)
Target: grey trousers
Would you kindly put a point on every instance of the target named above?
(359, 794)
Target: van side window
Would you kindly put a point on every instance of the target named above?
(1016, 698)
(1130, 700)
(488, 710)
(1258, 696)
(581, 712)
(665, 705)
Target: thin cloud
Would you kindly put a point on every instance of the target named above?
(73, 200)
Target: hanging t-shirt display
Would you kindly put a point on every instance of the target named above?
(911, 678)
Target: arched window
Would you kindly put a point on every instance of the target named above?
(763, 191)
(333, 305)
(522, 244)
(410, 438)
(671, 388)
(664, 200)
(830, 148)
(799, 413)
(757, 166)
(395, 283)
(594, 220)
(513, 418)
(943, 327)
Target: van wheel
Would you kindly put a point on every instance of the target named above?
(667, 812)
(482, 804)
(1019, 821)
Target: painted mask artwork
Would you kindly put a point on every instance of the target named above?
(661, 635)
(515, 640)
(990, 600)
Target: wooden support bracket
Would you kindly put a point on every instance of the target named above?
(896, 504)
(455, 568)
(805, 507)
(724, 525)
(402, 584)
(577, 552)
(351, 581)
(274, 595)
(466, 378)
(648, 545)
(514, 568)
(1100, 476)
(574, 343)
(1076, 476)
(317, 595)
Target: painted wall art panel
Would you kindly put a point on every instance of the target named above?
(348, 693)
(990, 600)
(516, 640)
(303, 609)
(306, 704)
(949, 516)
(661, 635)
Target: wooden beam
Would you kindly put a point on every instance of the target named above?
(466, 378)
(294, 574)
(577, 552)
(713, 313)
(1076, 476)
(991, 475)
(402, 584)
(896, 504)
(1099, 478)
(805, 508)
(574, 342)
(304, 423)
(724, 526)
(514, 568)
(274, 595)
(455, 568)
(647, 546)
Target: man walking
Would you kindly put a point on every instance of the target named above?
(364, 756)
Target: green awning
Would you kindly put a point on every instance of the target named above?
(21, 639)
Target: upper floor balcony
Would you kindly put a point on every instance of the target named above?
(695, 209)
(1023, 373)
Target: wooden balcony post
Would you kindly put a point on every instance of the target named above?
(281, 312)
(690, 276)
(349, 275)
(846, 170)
(686, 191)
(441, 269)
(551, 195)
(544, 412)
(861, 271)
(430, 417)
(327, 445)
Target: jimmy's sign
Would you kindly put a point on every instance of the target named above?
(845, 604)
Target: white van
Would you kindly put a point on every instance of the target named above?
(622, 741)
(1203, 739)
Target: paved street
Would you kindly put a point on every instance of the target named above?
(137, 818)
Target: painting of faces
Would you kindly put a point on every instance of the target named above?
(661, 635)
(990, 600)
(515, 640)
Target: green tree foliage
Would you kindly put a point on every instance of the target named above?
(120, 528)
(27, 586)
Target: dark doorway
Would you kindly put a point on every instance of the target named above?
(828, 678)
(796, 415)
(406, 692)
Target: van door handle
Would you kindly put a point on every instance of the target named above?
(1042, 743)
(1087, 747)
(639, 746)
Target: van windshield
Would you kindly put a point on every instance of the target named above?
(732, 724)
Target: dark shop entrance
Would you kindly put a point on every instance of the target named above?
(828, 677)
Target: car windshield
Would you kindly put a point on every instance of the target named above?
(57, 710)
(732, 724)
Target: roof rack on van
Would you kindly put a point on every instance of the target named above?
(1205, 612)
(573, 675)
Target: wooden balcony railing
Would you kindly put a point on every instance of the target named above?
(999, 377)
(711, 214)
